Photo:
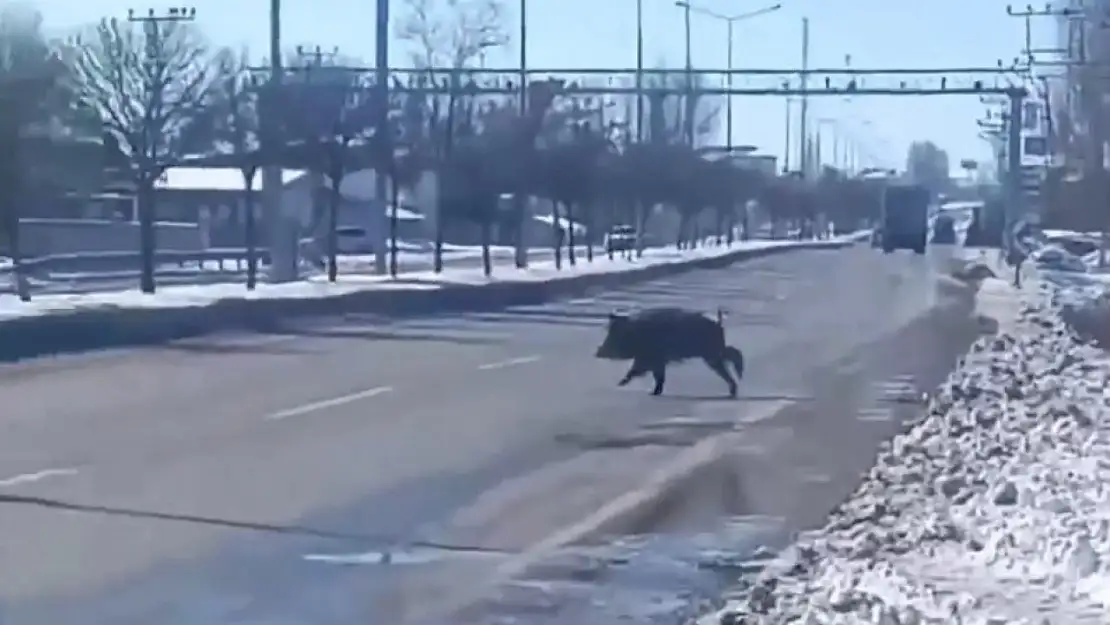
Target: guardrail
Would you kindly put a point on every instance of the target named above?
(105, 262)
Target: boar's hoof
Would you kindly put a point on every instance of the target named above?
(657, 391)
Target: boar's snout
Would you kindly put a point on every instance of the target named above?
(609, 349)
(616, 344)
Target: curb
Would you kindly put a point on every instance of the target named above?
(102, 328)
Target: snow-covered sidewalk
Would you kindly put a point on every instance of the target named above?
(993, 508)
(190, 296)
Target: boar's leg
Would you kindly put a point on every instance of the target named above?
(659, 372)
(718, 366)
(639, 368)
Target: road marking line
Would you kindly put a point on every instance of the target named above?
(329, 403)
(37, 476)
(582, 300)
(512, 362)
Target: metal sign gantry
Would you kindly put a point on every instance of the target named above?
(999, 80)
(995, 80)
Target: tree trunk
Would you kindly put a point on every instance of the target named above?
(437, 252)
(147, 243)
(333, 228)
(11, 227)
(643, 216)
(487, 260)
(394, 225)
(572, 256)
(557, 235)
(250, 230)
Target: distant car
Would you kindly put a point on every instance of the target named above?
(621, 238)
(353, 240)
(1076, 243)
(944, 230)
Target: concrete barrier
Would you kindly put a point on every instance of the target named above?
(101, 328)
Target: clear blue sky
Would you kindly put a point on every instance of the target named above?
(593, 33)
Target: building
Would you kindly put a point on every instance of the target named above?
(214, 198)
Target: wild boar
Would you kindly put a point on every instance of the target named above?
(656, 337)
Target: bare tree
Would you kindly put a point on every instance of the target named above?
(331, 120)
(39, 128)
(452, 34)
(236, 130)
(147, 85)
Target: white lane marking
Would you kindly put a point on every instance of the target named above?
(582, 300)
(512, 362)
(37, 476)
(329, 403)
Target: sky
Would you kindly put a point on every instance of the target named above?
(601, 33)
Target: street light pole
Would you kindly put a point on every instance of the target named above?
(729, 20)
(383, 139)
(639, 71)
(689, 80)
(728, 102)
(520, 250)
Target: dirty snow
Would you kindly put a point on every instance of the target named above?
(993, 508)
(317, 287)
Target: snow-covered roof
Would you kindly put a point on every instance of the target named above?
(548, 219)
(215, 179)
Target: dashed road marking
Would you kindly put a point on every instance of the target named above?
(875, 415)
(582, 300)
(511, 362)
(37, 476)
(329, 403)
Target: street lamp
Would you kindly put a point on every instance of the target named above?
(729, 20)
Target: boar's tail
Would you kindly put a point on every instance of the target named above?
(721, 316)
(736, 357)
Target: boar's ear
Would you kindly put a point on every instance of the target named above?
(618, 316)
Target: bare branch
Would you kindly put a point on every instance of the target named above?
(148, 85)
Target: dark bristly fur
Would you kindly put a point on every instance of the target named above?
(657, 337)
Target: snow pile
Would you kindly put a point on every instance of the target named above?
(994, 507)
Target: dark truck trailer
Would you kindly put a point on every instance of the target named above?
(905, 218)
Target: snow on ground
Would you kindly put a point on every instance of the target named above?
(317, 287)
(994, 508)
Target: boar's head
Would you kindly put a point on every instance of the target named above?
(619, 343)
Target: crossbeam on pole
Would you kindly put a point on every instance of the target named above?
(740, 71)
(478, 89)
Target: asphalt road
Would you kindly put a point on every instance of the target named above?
(490, 431)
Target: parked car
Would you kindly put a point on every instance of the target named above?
(1059, 260)
(620, 238)
(353, 240)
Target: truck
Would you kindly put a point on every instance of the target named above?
(905, 218)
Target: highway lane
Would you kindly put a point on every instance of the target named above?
(481, 429)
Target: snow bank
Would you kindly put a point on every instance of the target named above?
(993, 508)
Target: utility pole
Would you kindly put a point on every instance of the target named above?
(803, 122)
(730, 21)
(690, 104)
(520, 250)
(786, 136)
(639, 71)
(1096, 156)
(148, 161)
(280, 219)
(383, 133)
